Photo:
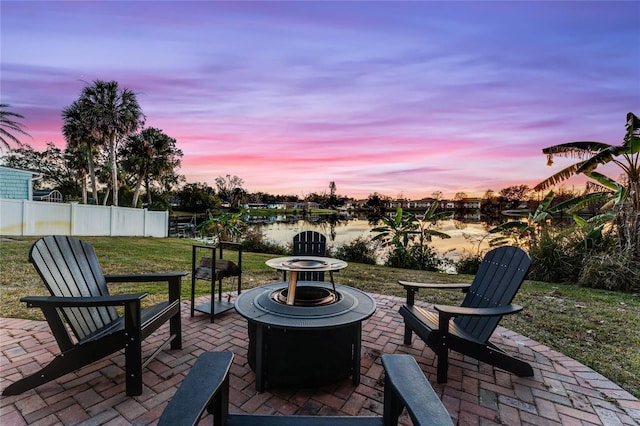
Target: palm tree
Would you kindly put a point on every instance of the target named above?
(151, 154)
(79, 139)
(112, 115)
(8, 125)
(623, 196)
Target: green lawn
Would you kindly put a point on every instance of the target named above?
(601, 329)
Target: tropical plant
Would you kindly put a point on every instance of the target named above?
(111, 114)
(8, 127)
(225, 227)
(622, 198)
(525, 231)
(409, 237)
(149, 155)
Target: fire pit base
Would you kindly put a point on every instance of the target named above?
(304, 345)
(305, 357)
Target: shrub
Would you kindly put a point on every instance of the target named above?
(556, 256)
(417, 256)
(615, 270)
(360, 250)
(253, 240)
(468, 263)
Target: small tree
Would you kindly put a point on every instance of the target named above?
(622, 197)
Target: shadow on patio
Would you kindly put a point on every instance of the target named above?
(562, 391)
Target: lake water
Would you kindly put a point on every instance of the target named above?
(464, 236)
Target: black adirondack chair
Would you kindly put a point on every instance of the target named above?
(80, 302)
(309, 243)
(487, 300)
(206, 387)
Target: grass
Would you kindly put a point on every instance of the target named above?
(598, 328)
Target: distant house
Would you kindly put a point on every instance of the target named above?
(17, 184)
(48, 195)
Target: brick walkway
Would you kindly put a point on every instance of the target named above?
(562, 392)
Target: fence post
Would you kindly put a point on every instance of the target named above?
(144, 223)
(112, 224)
(25, 216)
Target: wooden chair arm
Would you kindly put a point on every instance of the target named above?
(454, 311)
(206, 387)
(406, 386)
(439, 286)
(70, 302)
(138, 278)
(413, 287)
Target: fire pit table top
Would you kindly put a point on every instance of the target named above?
(306, 263)
(259, 305)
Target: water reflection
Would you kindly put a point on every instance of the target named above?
(340, 229)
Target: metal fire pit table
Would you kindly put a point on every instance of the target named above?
(295, 264)
(303, 345)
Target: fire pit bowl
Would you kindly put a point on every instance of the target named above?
(308, 343)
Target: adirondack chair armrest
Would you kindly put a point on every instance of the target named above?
(137, 278)
(406, 386)
(440, 286)
(454, 311)
(413, 287)
(71, 302)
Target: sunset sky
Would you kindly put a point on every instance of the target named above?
(402, 98)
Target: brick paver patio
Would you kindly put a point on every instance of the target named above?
(562, 391)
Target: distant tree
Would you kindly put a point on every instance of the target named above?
(437, 195)
(333, 199)
(8, 127)
(149, 155)
(515, 195)
(112, 114)
(55, 166)
(80, 139)
(198, 198)
(230, 189)
(490, 204)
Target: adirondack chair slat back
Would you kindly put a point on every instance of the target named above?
(498, 279)
(310, 243)
(69, 268)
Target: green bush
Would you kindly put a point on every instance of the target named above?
(468, 263)
(422, 257)
(360, 250)
(556, 256)
(614, 270)
(253, 240)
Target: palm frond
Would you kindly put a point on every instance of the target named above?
(557, 177)
(575, 149)
(578, 203)
(604, 180)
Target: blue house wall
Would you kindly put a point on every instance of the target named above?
(16, 184)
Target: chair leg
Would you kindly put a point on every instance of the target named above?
(407, 334)
(64, 363)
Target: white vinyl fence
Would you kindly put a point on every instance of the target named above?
(22, 217)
